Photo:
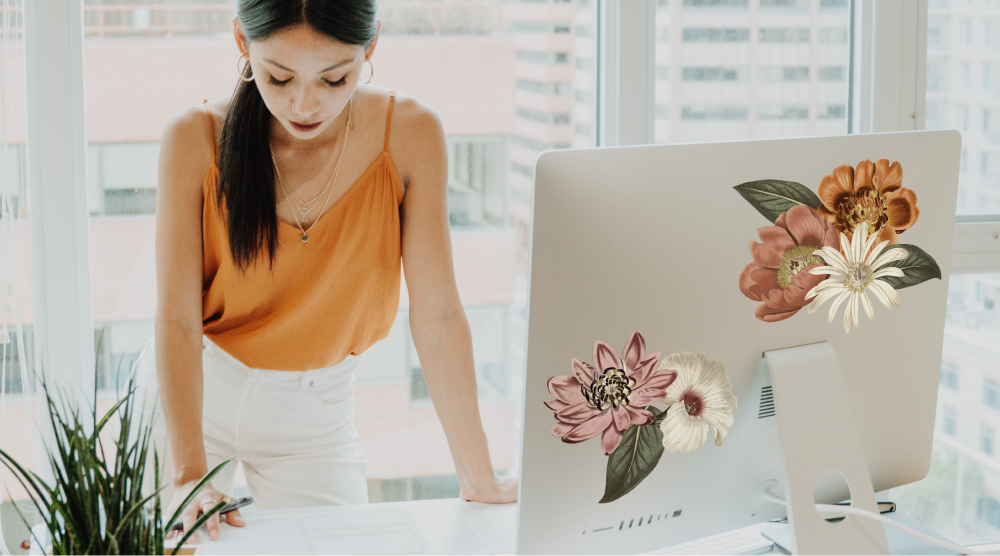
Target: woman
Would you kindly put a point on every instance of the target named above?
(278, 248)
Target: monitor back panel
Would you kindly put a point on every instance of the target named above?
(654, 239)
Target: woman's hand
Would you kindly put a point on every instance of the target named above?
(202, 502)
(503, 490)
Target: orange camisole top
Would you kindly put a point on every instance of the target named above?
(322, 300)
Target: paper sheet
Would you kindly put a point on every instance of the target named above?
(495, 524)
(318, 532)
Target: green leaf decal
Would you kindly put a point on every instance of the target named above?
(773, 197)
(634, 459)
(660, 416)
(918, 267)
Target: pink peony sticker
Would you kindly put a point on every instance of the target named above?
(779, 275)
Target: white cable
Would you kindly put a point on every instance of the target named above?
(850, 510)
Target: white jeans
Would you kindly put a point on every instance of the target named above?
(293, 431)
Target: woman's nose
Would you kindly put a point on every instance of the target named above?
(308, 103)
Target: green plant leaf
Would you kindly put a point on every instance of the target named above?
(773, 197)
(634, 459)
(201, 521)
(918, 267)
(94, 503)
(194, 492)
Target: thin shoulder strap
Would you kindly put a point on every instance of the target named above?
(388, 119)
(211, 127)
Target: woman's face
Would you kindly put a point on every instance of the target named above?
(305, 77)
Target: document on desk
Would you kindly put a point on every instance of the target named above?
(495, 524)
(322, 532)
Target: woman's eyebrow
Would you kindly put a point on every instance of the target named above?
(333, 67)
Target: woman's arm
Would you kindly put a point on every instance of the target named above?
(185, 156)
(437, 318)
(184, 160)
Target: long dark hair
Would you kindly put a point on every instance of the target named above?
(246, 181)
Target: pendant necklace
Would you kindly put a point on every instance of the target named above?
(327, 191)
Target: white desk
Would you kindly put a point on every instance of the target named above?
(450, 526)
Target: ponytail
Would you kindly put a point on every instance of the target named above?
(246, 177)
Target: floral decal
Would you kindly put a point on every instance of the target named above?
(872, 194)
(614, 397)
(834, 245)
(852, 274)
(701, 397)
(779, 275)
(607, 399)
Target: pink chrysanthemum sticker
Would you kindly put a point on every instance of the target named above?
(607, 398)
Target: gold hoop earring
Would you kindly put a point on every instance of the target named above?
(372, 74)
(243, 70)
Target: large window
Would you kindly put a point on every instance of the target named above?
(741, 70)
(959, 496)
(511, 78)
(508, 79)
(17, 314)
(965, 473)
(963, 93)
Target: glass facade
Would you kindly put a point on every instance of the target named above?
(729, 70)
(961, 495)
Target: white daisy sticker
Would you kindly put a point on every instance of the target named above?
(857, 271)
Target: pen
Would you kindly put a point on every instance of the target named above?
(234, 505)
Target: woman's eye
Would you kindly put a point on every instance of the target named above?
(336, 83)
(277, 83)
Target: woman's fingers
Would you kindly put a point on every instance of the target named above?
(213, 527)
(508, 488)
(204, 503)
(188, 518)
(235, 519)
(502, 491)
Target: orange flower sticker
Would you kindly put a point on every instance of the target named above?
(871, 194)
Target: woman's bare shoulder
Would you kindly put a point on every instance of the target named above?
(414, 116)
(416, 137)
(189, 139)
(192, 131)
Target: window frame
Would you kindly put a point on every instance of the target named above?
(57, 190)
(890, 91)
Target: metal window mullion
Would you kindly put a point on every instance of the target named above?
(893, 64)
(627, 72)
(64, 340)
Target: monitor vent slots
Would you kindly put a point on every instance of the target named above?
(766, 403)
(634, 523)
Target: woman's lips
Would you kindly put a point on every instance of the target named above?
(304, 127)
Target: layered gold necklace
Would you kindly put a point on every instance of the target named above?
(308, 206)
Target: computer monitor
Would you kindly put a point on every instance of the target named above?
(655, 239)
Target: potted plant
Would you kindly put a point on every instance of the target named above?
(95, 503)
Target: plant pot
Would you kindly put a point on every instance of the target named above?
(187, 551)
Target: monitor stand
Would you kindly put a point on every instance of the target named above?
(817, 432)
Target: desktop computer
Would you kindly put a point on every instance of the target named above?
(660, 275)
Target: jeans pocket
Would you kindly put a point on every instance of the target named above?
(332, 390)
